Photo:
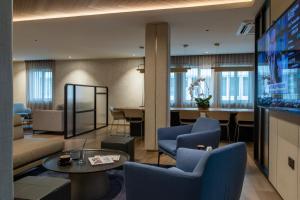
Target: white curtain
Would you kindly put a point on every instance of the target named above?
(229, 89)
(235, 89)
(40, 84)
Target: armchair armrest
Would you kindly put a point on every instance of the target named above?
(149, 182)
(206, 138)
(171, 133)
(187, 159)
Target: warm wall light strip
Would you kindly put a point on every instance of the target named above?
(55, 15)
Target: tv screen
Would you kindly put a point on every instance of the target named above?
(278, 70)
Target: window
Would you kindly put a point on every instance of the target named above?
(181, 82)
(188, 78)
(39, 84)
(172, 88)
(236, 88)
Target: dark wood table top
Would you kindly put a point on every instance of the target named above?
(51, 163)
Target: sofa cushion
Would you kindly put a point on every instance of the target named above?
(169, 146)
(28, 150)
(18, 132)
(18, 127)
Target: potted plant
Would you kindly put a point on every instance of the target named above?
(203, 103)
(202, 89)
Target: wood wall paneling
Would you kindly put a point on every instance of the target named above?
(156, 81)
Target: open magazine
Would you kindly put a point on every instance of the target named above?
(100, 160)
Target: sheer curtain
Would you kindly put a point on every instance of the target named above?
(235, 89)
(40, 84)
(229, 89)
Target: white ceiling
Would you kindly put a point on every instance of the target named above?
(120, 35)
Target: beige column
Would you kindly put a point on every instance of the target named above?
(157, 52)
(6, 100)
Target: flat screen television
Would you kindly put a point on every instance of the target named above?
(278, 70)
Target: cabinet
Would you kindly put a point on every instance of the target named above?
(284, 155)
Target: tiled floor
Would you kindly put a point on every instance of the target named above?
(256, 186)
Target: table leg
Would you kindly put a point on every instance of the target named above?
(89, 186)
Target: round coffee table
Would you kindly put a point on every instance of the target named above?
(87, 181)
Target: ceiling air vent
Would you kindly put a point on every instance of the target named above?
(246, 28)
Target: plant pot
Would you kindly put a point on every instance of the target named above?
(203, 107)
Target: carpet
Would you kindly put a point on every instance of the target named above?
(116, 179)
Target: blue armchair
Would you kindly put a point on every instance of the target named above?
(20, 109)
(204, 131)
(198, 175)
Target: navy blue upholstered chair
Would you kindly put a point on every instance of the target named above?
(198, 175)
(204, 131)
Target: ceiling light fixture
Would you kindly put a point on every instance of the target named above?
(126, 9)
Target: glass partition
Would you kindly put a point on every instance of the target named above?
(86, 109)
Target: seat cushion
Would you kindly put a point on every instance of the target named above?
(169, 146)
(28, 150)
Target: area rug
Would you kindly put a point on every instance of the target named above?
(116, 179)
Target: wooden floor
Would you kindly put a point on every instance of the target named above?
(256, 186)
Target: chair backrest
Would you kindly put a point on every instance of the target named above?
(221, 116)
(134, 113)
(19, 107)
(204, 124)
(245, 116)
(189, 114)
(223, 174)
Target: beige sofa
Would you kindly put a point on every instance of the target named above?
(28, 151)
(48, 120)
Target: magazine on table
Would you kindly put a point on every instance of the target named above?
(100, 160)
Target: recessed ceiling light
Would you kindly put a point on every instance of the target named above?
(133, 54)
(122, 8)
(69, 57)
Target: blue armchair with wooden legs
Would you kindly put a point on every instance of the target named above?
(204, 131)
(198, 175)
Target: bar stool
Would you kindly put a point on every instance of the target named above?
(135, 116)
(224, 119)
(117, 115)
(243, 119)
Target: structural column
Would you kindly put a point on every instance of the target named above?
(6, 101)
(157, 52)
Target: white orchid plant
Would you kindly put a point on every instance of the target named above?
(202, 100)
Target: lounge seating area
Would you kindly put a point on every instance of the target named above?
(150, 100)
(28, 152)
(196, 176)
(204, 131)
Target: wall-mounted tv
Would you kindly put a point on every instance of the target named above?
(278, 70)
